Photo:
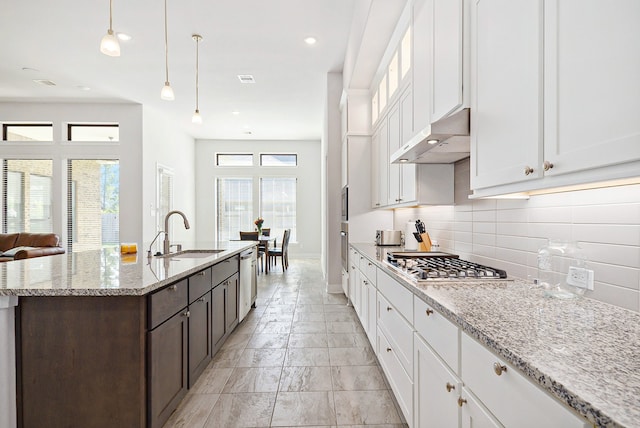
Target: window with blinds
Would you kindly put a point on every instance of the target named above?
(93, 204)
(278, 204)
(26, 195)
(235, 207)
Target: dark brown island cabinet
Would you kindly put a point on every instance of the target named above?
(120, 361)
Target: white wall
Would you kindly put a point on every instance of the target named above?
(308, 209)
(508, 233)
(168, 145)
(128, 150)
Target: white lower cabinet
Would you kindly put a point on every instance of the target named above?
(399, 379)
(372, 313)
(436, 389)
(513, 400)
(474, 414)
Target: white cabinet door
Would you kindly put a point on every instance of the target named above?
(375, 170)
(354, 279)
(436, 390)
(422, 51)
(364, 302)
(372, 313)
(474, 415)
(407, 171)
(383, 164)
(394, 144)
(506, 132)
(447, 63)
(592, 84)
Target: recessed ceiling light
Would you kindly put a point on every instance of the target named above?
(310, 40)
(246, 78)
(433, 141)
(123, 36)
(44, 82)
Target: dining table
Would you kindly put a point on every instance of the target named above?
(264, 242)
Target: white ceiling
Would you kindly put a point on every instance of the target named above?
(59, 41)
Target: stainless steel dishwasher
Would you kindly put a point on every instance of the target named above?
(248, 282)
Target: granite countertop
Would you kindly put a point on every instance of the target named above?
(106, 272)
(584, 352)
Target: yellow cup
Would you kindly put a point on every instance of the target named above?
(128, 248)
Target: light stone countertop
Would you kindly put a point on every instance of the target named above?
(105, 272)
(584, 352)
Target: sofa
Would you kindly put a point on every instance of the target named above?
(18, 246)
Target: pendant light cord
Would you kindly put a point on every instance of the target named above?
(197, 67)
(166, 44)
(110, 16)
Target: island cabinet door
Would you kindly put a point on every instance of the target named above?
(232, 303)
(217, 316)
(199, 336)
(167, 369)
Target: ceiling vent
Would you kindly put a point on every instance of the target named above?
(246, 78)
(44, 82)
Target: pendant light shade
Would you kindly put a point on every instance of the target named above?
(167, 91)
(109, 44)
(197, 118)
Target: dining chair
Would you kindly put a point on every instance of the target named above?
(266, 231)
(282, 252)
(253, 236)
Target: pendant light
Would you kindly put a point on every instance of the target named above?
(109, 44)
(196, 118)
(167, 91)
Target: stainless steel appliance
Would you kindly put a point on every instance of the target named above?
(248, 282)
(438, 266)
(389, 237)
(345, 203)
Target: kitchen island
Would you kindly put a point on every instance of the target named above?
(104, 339)
(583, 353)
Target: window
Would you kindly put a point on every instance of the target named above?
(382, 91)
(374, 108)
(235, 207)
(393, 75)
(93, 132)
(93, 216)
(27, 132)
(27, 196)
(278, 204)
(278, 160)
(164, 198)
(230, 159)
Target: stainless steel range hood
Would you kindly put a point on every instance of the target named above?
(444, 141)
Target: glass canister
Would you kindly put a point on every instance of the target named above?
(554, 262)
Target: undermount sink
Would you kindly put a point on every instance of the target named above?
(191, 254)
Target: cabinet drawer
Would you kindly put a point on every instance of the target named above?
(224, 269)
(399, 296)
(369, 269)
(167, 302)
(400, 381)
(512, 398)
(199, 283)
(399, 333)
(441, 334)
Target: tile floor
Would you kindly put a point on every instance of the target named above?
(301, 358)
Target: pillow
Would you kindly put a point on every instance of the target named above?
(12, 252)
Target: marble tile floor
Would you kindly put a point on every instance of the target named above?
(300, 358)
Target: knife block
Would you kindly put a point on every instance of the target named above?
(425, 245)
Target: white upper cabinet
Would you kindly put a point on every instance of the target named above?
(506, 130)
(592, 84)
(555, 94)
(394, 144)
(422, 51)
(448, 69)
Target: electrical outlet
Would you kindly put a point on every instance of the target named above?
(580, 277)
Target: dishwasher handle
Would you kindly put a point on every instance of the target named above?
(246, 255)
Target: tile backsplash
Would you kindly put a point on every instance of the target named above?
(508, 233)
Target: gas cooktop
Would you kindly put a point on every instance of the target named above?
(420, 267)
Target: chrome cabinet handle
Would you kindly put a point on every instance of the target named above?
(201, 273)
(186, 314)
(547, 165)
(528, 170)
(499, 368)
(201, 299)
(429, 312)
(173, 287)
(450, 387)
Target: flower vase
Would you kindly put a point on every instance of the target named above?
(259, 231)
